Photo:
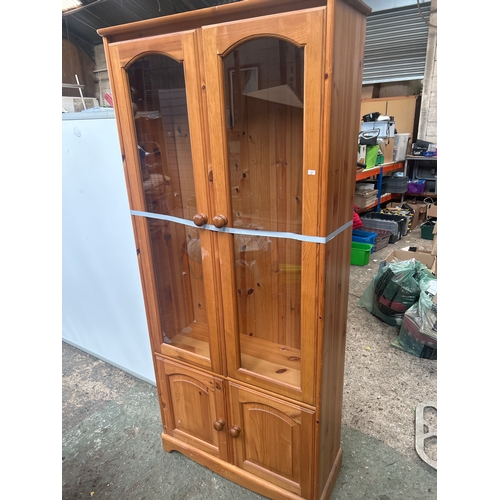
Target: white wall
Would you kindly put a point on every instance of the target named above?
(427, 129)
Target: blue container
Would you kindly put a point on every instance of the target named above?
(360, 236)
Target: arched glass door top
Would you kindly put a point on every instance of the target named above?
(264, 98)
(264, 109)
(158, 93)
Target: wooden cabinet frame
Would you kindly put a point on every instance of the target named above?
(243, 416)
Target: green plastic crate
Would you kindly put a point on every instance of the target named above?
(426, 230)
(360, 253)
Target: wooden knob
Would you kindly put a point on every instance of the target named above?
(220, 221)
(200, 219)
(219, 424)
(235, 431)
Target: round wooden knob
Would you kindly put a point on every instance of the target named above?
(219, 424)
(235, 431)
(220, 221)
(200, 219)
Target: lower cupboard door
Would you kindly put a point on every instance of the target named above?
(193, 407)
(272, 439)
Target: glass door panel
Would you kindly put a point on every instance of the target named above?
(268, 285)
(264, 119)
(158, 93)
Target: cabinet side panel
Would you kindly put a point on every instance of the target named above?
(348, 26)
(337, 268)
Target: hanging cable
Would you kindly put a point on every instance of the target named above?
(423, 18)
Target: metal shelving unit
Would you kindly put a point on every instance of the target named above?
(379, 171)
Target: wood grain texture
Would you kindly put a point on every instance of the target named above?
(270, 205)
(229, 471)
(276, 439)
(344, 89)
(185, 392)
(203, 17)
(249, 331)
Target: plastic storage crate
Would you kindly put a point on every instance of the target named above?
(382, 239)
(365, 198)
(406, 213)
(401, 220)
(416, 187)
(359, 236)
(426, 230)
(397, 184)
(360, 253)
(388, 225)
(423, 170)
(431, 186)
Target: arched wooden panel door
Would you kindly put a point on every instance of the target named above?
(272, 439)
(193, 407)
(264, 79)
(158, 103)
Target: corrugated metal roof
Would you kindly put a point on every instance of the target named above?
(70, 4)
(396, 40)
(81, 24)
(396, 45)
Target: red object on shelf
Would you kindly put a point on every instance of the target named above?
(356, 219)
(108, 98)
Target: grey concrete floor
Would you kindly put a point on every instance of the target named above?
(111, 426)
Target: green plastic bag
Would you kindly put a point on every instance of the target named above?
(418, 333)
(394, 289)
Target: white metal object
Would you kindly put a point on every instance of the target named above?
(81, 92)
(103, 311)
(423, 431)
(386, 128)
(74, 104)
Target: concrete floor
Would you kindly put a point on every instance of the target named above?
(111, 446)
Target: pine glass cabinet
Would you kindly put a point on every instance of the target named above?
(238, 126)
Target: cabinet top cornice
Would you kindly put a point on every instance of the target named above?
(213, 15)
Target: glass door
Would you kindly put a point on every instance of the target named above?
(265, 145)
(167, 185)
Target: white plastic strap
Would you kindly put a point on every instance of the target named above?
(249, 232)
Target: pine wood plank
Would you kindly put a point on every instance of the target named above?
(313, 197)
(184, 392)
(284, 427)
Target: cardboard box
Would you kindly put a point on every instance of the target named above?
(432, 211)
(434, 241)
(425, 258)
(420, 210)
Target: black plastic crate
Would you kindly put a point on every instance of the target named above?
(382, 240)
(425, 171)
(400, 219)
(397, 184)
(371, 224)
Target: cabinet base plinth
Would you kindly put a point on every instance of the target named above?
(239, 476)
(332, 477)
